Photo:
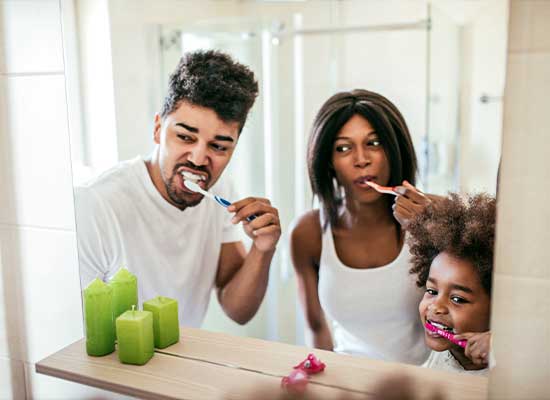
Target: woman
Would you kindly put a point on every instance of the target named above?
(351, 257)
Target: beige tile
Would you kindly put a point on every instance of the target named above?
(35, 160)
(44, 306)
(521, 329)
(12, 378)
(519, 28)
(515, 88)
(46, 387)
(538, 87)
(523, 215)
(30, 36)
(540, 29)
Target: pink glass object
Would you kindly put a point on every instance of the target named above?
(296, 381)
(447, 335)
(382, 189)
(312, 365)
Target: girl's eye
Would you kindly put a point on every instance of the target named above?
(459, 300)
(431, 292)
(342, 148)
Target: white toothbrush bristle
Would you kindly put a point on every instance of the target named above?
(192, 186)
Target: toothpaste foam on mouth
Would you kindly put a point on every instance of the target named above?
(192, 177)
(441, 326)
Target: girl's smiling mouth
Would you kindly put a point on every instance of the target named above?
(441, 326)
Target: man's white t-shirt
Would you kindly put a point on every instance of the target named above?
(123, 221)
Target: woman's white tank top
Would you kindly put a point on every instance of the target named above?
(374, 312)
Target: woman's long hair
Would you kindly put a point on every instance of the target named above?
(388, 124)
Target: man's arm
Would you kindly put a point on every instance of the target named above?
(242, 278)
(93, 233)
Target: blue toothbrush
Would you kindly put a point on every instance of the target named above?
(220, 200)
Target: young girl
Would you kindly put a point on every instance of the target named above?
(452, 245)
(351, 257)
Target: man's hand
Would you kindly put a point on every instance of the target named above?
(265, 229)
(408, 203)
(478, 347)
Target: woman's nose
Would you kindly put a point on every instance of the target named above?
(362, 158)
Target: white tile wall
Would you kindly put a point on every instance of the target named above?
(35, 153)
(12, 341)
(40, 308)
(12, 379)
(30, 45)
(47, 306)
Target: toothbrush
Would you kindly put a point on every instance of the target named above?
(220, 200)
(382, 189)
(447, 335)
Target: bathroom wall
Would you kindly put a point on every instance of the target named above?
(521, 304)
(40, 308)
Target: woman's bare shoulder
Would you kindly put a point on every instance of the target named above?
(306, 235)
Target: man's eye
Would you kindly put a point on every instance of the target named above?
(218, 147)
(185, 138)
(431, 292)
(342, 148)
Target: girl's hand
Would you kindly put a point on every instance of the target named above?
(478, 347)
(408, 203)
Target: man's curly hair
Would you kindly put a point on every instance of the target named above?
(463, 228)
(212, 79)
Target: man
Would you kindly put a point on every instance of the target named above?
(140, 215)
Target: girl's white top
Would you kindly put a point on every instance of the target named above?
(445, 361)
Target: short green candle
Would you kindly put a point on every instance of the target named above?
(165, 320)
(98, 315)
(135, 337)
(125, 294)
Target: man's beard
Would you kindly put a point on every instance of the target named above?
(178, 197)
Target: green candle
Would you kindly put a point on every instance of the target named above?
(98, 315)
(135, 337)
(165, 320)
(125, 294)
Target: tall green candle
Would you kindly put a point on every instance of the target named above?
(165, 320)
(98, 315)
(135, 337)
(125, 294)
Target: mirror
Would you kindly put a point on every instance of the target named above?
(441, 63)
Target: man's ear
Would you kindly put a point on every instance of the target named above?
(157, 128)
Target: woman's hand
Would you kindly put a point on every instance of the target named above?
(408, 203)
(478, 347)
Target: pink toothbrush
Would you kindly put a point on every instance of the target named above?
(382, 189)
(447, 335)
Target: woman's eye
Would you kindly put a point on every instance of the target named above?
(374, 142)
(342, 148)
(431, 292)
